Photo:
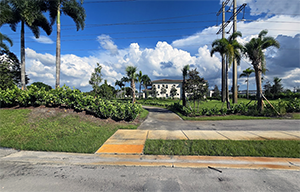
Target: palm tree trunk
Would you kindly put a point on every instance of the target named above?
(234, 82)
(133, 90)
(58, 48)
(23, 56)
(183, 92)
(258, 87)
(247, 86)
(227, 92)
(223, 79)
(140, 90)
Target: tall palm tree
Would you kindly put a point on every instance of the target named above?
(71, 8)
(132, 78)
(246, 73)
(230, 48)
(140, 76)
(29, 12)
(254, 50)
(185, 70)
(2, 44)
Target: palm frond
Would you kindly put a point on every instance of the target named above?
(75, 10)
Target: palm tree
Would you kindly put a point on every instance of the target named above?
(72, 9)
(2, 44)
(230, 48)
(246, 73)
(185, 70)
(254, 50)
(120, 84)
(145, 82)
(140, 76)
(29, 12)
(132, 78)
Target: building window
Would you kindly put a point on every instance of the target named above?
(167, 86)
(158, 86)
(166, 95)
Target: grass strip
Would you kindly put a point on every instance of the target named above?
(262, 148)
(57, 133)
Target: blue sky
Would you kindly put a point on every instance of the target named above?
(160, 37)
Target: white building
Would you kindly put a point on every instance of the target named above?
(167, 84)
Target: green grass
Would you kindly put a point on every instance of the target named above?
(296, 115)
(144, 114)
(266, 148)
(58, 133)
(226, 117)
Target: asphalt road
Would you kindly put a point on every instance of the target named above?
(163, 119)
(16, 176)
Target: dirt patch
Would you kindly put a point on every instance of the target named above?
(43, 112)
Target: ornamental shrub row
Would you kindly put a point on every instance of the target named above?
(70, 98)
(282, 107)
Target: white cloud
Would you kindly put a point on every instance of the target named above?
(271, 7)
(43, 39)
(106, 43)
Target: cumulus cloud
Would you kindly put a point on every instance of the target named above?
(271, 7)
(106, 43)
(43, 39)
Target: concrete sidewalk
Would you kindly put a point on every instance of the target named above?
(216, 163)
(132, 141)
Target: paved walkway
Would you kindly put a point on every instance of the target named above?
(164, 124)
(163, 119)
(132, 141)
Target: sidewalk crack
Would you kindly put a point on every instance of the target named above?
(185, 134)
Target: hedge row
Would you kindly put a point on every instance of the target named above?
(69, 98)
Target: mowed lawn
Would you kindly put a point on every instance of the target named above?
(68, 133)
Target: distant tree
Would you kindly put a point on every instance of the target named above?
(185, 70)
(246, 73)
(268, 89)
(120, 84)
(96, 78)
(277, 86)
(216, 92)
(173, 92)
(107, 91)
(10, 70)
(132, 78)
(195, 86)
(163, 90)
(40, 85)
(128, 91)
(153, 91)
(146, 81)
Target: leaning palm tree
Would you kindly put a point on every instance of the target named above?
(132, 78)
(29, 12)
(185, 70)
(254, 50)
(231, 49)
(246, 73)
(72, 9)
(2, 44)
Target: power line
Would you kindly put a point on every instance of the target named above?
(107, 1)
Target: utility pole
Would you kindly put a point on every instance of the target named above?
(234, 66)
(224, 78)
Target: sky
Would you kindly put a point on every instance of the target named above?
(160, 38)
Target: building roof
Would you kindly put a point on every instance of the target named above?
(167, 81)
